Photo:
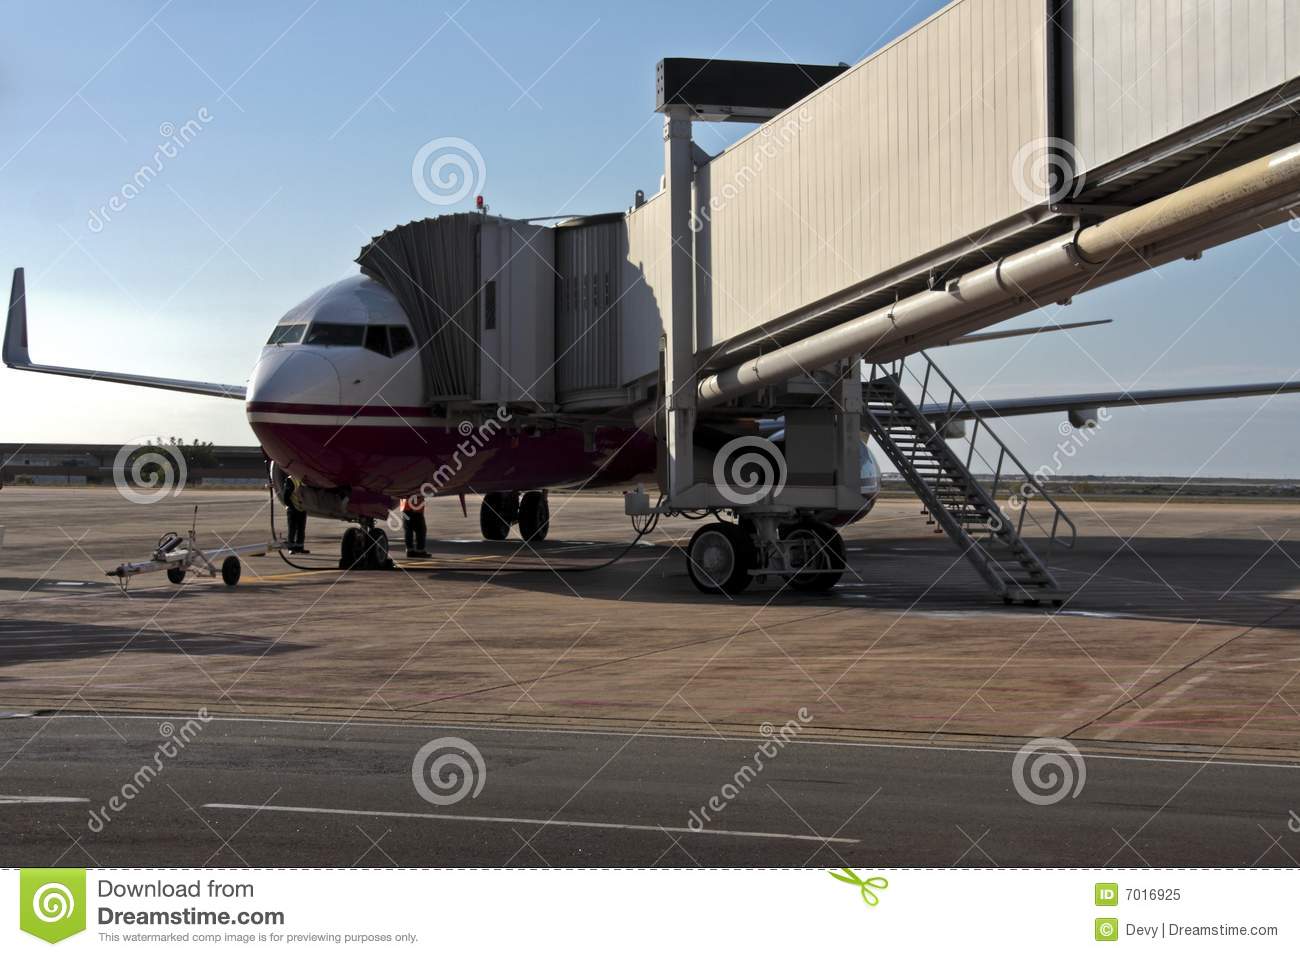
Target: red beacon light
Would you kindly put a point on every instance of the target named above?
(479, 204)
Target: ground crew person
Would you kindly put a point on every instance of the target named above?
(414, 527)
(296, 517)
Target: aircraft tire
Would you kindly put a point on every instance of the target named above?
(534, 517)
(377, 549)
(495, 516)
(719, 558)
(352, 549)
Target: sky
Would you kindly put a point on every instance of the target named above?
(308, 117)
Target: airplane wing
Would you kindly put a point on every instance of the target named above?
(1085, 404)
(16, 356)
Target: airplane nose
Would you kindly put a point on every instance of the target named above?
(294, 377)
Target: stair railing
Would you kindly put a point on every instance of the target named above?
(938, 392)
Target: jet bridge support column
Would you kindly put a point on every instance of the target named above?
(679, 319)
(782, 500)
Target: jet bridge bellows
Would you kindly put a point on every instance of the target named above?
(478, 291)
(589, 258)
(431, 266)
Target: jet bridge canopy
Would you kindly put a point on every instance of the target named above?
(989, 127)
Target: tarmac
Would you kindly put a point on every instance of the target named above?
(606, 705)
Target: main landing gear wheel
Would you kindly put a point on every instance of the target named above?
(497, 514)
(719, 558)
(230, 571)
(822, 561)
(377, 553)
(534, 517)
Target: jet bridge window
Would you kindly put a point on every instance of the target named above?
(335, 334)
(285, 335)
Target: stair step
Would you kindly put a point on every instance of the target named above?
(954, 501)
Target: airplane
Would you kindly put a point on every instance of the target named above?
(334, 400)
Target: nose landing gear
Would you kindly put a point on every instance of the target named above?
(364, 547)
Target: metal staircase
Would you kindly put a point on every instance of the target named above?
(918, 436)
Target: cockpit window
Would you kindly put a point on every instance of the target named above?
(377, 340)
(399, 338)
(335, 334)
(388, 340)
(282, 335)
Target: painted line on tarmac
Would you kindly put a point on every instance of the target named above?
(362, 724)
(476, 819)
(40, 799)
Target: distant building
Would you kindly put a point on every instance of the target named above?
(58, 464)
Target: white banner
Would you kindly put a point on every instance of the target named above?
(650, 912)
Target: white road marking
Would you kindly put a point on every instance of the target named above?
(1174, 693)
(478, 819)
(708, 738)
(40, 799)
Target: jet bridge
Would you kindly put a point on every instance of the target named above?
(1001, 156)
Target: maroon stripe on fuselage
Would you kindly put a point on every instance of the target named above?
(393, 461)
(294, 408)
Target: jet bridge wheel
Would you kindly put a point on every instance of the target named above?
(534, 517)
(719, 558)
(822, 555)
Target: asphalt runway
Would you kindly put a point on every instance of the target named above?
(248, 792)
(606, 707)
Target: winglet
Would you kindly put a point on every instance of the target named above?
(15, 346)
